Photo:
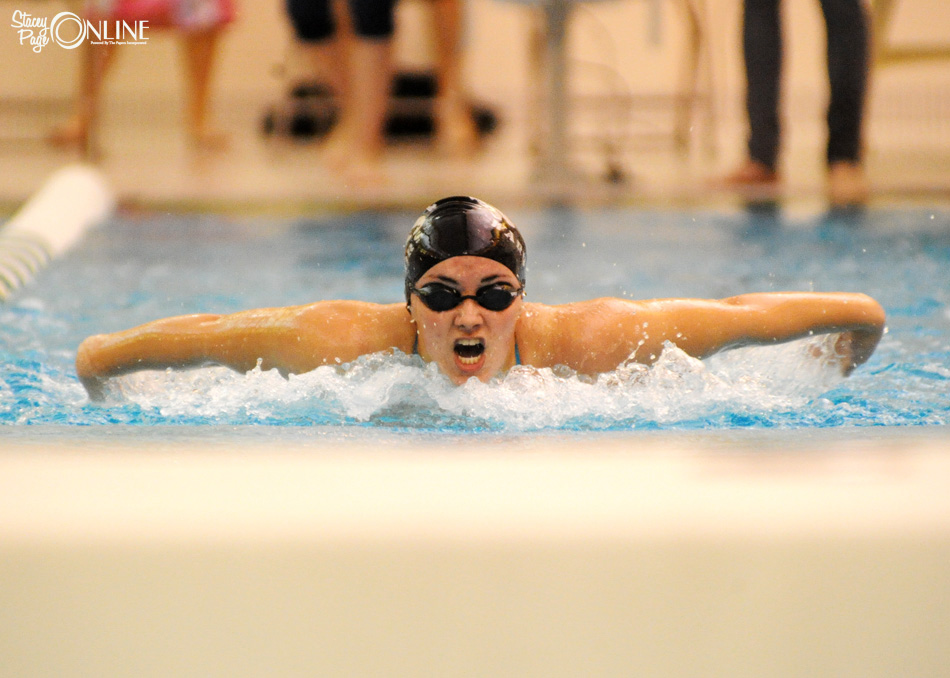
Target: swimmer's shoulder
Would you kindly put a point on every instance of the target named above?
(373, 327)
(550, 335)
(543, 318)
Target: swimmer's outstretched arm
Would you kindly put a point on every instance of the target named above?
(292, 340)
(598, 335)
(772, 318)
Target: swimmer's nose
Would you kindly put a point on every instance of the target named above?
(469, 315)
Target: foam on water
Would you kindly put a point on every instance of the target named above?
(746, 387)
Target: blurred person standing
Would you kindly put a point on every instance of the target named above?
(456, 133)
(353, 49)
(847, 45)
(200, 24)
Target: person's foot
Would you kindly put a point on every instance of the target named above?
(752, 180)
(347, 144)
(751, 174)
(72, 133)
(357, 161)
(456, 134)
(364, 173)
(204, 139)
(847, 184)
(337, 147)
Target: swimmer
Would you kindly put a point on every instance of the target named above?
(465, 310)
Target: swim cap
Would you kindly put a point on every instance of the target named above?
(462, 226)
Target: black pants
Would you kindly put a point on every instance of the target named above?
(313, 19)
(846, 24)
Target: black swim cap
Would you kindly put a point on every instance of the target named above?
(462, 226)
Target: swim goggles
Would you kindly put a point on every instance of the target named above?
(440, 298)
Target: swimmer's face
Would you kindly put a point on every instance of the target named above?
(468, 340)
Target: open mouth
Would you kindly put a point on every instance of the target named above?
(469, 351)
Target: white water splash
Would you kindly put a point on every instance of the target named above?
(401, 391)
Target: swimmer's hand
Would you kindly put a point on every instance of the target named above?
(95, 387)
(849, 350)
(856, 346)
(85, 370)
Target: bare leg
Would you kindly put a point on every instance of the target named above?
(199, 52)
(324, 62)
(77, 130)
(357, 142)
(324, 59)
(454, 125)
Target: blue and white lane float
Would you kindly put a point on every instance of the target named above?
(71, 201)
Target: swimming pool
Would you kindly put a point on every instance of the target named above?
(137, 267)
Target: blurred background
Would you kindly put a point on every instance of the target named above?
(626, 99)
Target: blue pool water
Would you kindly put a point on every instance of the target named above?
(139, 267)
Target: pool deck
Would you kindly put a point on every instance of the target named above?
(150, 165)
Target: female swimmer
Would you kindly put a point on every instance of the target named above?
(465, 311)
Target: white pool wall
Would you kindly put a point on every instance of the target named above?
(630, 555)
